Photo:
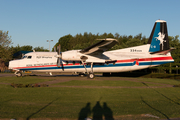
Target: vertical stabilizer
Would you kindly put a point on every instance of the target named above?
(159, 37)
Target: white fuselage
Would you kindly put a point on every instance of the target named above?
(122, 60)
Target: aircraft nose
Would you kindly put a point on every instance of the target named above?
(12, 64)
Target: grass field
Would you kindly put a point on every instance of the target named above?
(78, 97)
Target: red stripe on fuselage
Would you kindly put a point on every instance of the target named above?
(118, 61)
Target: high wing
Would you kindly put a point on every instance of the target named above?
(99, 47)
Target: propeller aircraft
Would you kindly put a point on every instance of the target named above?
(96, 58)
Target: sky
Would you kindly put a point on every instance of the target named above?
(33, 22)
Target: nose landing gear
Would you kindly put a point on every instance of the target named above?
(18, 74)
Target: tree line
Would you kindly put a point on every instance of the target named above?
(80, 41)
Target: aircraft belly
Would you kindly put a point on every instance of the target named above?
(119, 69)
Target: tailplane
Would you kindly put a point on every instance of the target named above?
(158, 39)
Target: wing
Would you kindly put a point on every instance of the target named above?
(99, 47)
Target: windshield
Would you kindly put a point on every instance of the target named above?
(24, 57)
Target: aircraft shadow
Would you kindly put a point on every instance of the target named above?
(98, 112)
(126, 74)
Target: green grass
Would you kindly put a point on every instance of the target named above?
(62, 102)
(100, 83)
(111, 83)
(163, 81)
(23, 80)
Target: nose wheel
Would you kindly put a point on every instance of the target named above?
(18, 74)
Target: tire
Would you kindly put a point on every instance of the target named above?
(91, 75)
(18, 74)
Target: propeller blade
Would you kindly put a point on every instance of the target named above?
(58, 62)
(59, 49)
(59, 59)
(61, 64)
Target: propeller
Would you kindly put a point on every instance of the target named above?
(59, 60)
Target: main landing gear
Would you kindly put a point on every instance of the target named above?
(90, 74)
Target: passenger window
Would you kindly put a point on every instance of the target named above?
(29, 57)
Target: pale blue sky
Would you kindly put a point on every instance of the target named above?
(32, 22)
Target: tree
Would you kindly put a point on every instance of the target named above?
(15, 49)
(117, 35)
(64, 42)
(26, 48)
(5, 42)
(40, 49)
(110, 35)
(133, 42)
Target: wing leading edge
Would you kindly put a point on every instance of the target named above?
(99, 47)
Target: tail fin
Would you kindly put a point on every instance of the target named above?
(159, 37)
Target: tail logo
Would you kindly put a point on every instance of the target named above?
(161, 39)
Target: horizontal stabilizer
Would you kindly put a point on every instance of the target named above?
(162, 52)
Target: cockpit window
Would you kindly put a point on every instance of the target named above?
(24, 57)
(29, 57)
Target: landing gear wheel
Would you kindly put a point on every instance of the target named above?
(91, 75)
(18, 74)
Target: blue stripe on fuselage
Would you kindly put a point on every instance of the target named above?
(98, 66)
(79, 66)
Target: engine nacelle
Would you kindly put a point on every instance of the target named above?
(75, 55)
(71, 55)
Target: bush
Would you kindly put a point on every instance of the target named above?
(176, 85)
(28, 85)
